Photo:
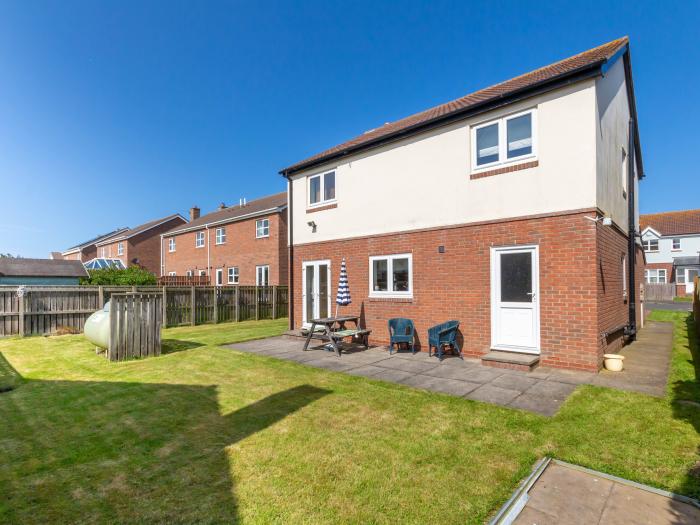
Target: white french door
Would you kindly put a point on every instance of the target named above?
(515, 311)
(316, 295)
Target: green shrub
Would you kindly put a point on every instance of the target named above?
(132, 276)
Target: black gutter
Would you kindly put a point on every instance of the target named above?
(631, 329)
(565, 79)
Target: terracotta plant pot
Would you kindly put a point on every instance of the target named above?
(613, 362)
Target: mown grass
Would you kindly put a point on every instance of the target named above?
(683, 299)
(208, 435)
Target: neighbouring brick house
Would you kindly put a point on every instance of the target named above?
(139, 246)
(672, 245)
(87, 250)
(509, 209)
(244, 244)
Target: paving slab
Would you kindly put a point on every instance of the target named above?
(365, 371)
(493, 394)
(406, 365)
(543, 405)
(438, 384)
(514, 382)
(552, 389)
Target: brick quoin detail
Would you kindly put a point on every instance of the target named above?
(241, 249)
(507, 169)
(578, 259)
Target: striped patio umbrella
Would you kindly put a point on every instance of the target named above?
(342, 298)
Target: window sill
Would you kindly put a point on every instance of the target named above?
(263, 237)
(504, 169)
(390, 299)
(321, 208)
(199, 247)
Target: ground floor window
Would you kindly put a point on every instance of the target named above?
(171, 274)
(202, 273)
(219, 277)
(233, 275)
(262, 275)
(188, 273)
(391, 275)
(655, 276)
(680, 276)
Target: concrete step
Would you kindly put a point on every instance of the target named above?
(511, 360)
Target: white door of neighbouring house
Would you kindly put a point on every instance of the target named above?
(316, 290)
(515, 312)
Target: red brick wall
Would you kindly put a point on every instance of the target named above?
(456, 284)
(241, 249)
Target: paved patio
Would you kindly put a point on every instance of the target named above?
(541, 391)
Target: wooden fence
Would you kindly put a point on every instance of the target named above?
(696, 304)
(659, 292)
(134, 325)
(44, 310)
(184, 280)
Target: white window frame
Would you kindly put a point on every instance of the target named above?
(199, 236)
(680, 272)
(322, 189)
(673, 244)
(172, 274)
(258, 224)
(120, 248)
(656, 272)
(266, 268)
(189, 273)
(233, 276)
(221, 235)
(646, 244)
(390, 293)
(202, 273)
(219, 277)
(171, 244)
(502, 123)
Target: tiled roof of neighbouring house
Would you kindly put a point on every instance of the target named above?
(672, 222)
(142, 228)
(564, 68)
(41, 268)
(97, 239)
(232, 213)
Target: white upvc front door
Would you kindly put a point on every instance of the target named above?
(316, 290)
(690, 274)
(515, 311)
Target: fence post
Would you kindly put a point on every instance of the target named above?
(274, 302)
(165, 307)
(101, 296)
(21, 315)
(257, 303)
(238, 303)
(216, 304)
(133, 289)
(192, 305)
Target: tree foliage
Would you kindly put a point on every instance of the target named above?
(132, 276)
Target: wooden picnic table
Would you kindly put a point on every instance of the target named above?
(335, 330)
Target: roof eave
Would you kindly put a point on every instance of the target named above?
(276, 209)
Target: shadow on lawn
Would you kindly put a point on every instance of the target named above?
(9, 377)
(170, 346)
(127, 452)
(686, 404)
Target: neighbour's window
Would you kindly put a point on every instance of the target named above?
(504, 140)
(171, 274)
(188, 273)
(676, 244)
(680, 276)
(391, 275)
(233, 275)
(322, 188)
(199, 240)
(692, 274)
(103, 252)
(262, 228)
(262, 275)
(651, 245)
(219, 276)
(655, 276)
(202, 273)
(220, 235)
(171, 244)
(120, 248)
(623, 173)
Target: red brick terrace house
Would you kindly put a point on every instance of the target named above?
(512, 209)
(244, 244)
(139, 246)
(87, 250)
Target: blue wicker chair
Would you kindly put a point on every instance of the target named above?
(401, 331)
(442, 335)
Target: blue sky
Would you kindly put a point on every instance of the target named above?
(116, 113)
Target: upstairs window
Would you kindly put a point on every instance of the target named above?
(220, 235)
(120, 248)
(262, 228)
(171, 244)
(199, 240)
(322, 189)
(651, 245)
(676, 244)
(505, 140)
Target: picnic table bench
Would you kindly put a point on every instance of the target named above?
(336, 334)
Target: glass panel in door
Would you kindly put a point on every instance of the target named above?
(516, 277)
(309, 293)
(323, 290)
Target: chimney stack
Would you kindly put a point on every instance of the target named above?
(194, 213)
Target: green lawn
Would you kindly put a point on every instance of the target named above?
(204, 434)
(683, 298)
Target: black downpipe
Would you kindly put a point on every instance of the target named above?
(290, 251)
(631, 329)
